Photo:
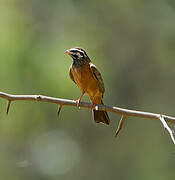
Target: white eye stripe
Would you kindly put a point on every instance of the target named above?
(74, 49)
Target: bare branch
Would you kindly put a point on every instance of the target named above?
(66, 102)
(123, 118)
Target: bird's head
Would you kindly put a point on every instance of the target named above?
(77, 54)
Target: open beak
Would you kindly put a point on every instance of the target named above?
(67, 52)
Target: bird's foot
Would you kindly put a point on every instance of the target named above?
(78, 102)
(92, 106)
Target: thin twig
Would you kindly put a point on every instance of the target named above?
(66, 102)
(167, 128)
(122, 120)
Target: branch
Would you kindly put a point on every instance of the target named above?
(66, 102)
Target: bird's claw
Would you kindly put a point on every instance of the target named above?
(78, 103)
(92, 106)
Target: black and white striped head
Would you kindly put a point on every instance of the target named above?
(77, 53)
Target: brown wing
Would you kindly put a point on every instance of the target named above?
(98, 77)
(71, 75)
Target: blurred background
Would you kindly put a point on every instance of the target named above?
(133, 45)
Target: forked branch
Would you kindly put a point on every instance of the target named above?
(65, 102)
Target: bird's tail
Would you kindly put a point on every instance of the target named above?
(101, 116)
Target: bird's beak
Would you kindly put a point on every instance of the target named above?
(67, 52)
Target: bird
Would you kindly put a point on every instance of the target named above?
(89, 80)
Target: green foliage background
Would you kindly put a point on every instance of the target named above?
(133, 45)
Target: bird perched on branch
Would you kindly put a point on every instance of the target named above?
(89, 80)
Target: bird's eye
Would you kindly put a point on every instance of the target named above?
(81, 54)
